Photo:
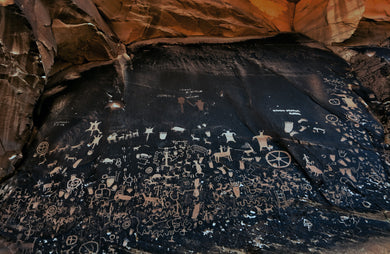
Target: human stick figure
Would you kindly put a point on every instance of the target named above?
(94, 126)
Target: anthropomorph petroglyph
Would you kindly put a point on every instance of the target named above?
(229, 136)
(95, 142)
(94, 126)
(263, 141)
(348, 100)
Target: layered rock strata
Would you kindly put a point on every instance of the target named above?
(21, 83)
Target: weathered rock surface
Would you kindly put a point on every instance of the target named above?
(20, 86)
(69, 33)
(372, 67)
(279, 12)
(60, 37)
(328, 20)
(140, 20)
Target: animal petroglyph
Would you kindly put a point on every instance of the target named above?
(318, 130)
(249, 149)
(310, 165)
(195, 138)
(70, 158)
(222, 154)
(112, 138)
(154, 201)
(56, 170)
(77, 147)
(199, 149)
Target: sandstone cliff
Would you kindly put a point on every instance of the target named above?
(71, 64)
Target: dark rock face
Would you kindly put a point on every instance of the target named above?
(372, 66)
(262, 145)
(21, 83)
(68, 37)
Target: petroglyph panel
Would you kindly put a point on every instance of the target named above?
(200, 159)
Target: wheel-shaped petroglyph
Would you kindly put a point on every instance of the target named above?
(353, 117)
(42, 148)
(90, 247)
(278, 159)
(334, 101)
(73, 183)
(148, 170)
(51, 210)
(126, 224)
(71, 240)
(332, 118)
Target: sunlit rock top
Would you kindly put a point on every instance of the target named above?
(99, 27)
